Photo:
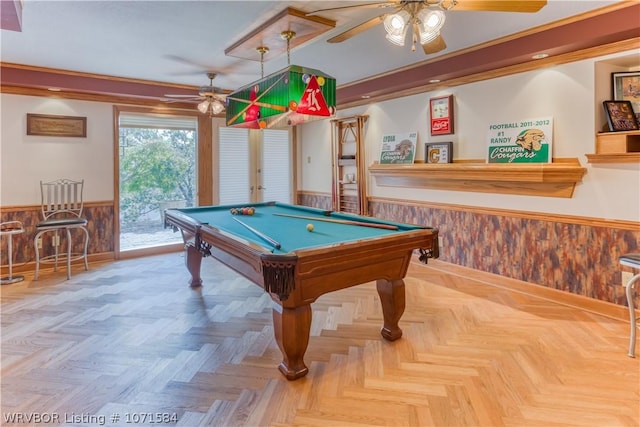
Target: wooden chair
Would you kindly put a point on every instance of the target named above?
(633, 261)
(62, 206)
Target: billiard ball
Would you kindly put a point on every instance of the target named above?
(309, 227)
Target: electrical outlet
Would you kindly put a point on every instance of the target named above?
(39, 242)
(626, 276)
(440, 241)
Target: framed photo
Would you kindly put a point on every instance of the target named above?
(620, 116)
(441, 115)
(626, 87)
(48, 125)
(438, 152)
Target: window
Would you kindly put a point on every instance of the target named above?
(157, 170)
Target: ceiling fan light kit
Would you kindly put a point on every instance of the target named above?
(426, 25)
(426, 17)
(211, 106)
(213, 98)
(432, 21)
(396, 26)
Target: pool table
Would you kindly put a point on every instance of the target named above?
(274, 249)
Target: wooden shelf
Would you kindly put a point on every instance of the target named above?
(614, 158)
(346, 162)
(556, 179)
(347, 147)
(616, 147)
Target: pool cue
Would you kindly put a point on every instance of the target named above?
(341, 221)
(259, 234)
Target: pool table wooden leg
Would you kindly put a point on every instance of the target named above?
(291, 328)
(193, 260)
(392, 298)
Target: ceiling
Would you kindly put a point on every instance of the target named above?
(178, 42)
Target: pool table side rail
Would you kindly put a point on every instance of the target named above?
(241, 255)
(177, 220)
(339, 267)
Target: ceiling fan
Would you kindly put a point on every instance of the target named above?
(212, 98)
(425, 18)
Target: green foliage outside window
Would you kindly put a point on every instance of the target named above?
(156, 165)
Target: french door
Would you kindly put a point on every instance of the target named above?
(254, 166)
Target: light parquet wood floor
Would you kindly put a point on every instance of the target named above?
(130, 338)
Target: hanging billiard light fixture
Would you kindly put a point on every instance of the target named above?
(288, 97)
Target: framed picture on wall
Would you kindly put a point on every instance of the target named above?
(626, 87)
(50, 125)
(441, 115)
(438, 152)
(620, 116)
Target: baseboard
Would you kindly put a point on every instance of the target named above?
(150, 251)
(30, 267)
(581, 302)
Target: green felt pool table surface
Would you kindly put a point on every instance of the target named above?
(291, 233)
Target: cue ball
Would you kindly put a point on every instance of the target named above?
(309, 227)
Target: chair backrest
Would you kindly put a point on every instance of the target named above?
(62, 197)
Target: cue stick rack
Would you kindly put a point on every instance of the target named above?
(349, 192)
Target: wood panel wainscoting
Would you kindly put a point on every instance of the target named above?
(572, 254)
(100, 225)
(554, 251)
(102, 238)
(314, 199)
(131, 338)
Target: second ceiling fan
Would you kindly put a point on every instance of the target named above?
(212, 99)
(425, 18)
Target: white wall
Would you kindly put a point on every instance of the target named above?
(566, 93)
(26, 159)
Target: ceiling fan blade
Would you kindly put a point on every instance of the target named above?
(187, 61)
(435, 46)
(380, 4)
(185, 73)
(357, 29)
(529, 6)
(182, 96)
(170, 100)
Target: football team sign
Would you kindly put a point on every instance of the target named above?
(524, 141)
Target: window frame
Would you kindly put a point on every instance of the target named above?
(203, 161)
